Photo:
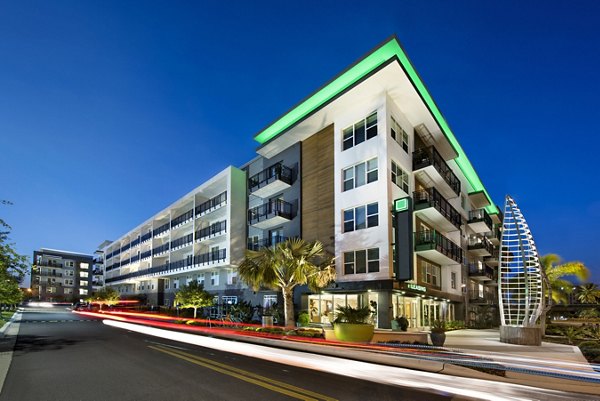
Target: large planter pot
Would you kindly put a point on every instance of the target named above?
(267, 321)
(438, 339)
(353, 332)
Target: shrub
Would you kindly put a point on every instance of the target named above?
(590, 313)
(402, 322)
(590, 349)
(348, 314)
(303, 318)
(571, 333)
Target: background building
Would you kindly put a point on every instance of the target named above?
(61, 275)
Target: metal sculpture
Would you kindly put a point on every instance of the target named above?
(519, 279)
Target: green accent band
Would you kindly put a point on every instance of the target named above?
(364, 67)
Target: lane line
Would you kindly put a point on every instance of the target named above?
(271, 384)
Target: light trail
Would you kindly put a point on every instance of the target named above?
(465, 387)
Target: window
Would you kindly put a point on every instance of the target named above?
(229, 299)
(360, 132)
(430, 273)
(84, 265)
(361, 217)
(214, 278)
(51, 290)
(399, 135)
(232, 277)
(463, 201)
(361, 261)
(453, 280)
(83, 274)
(69, 263)
(201, 279)
(83, 291)
(400, 177)
(360, 174)
(83, 283)
(175, 284)
(68, 291)
(68, 282)
(167, 283)
(269, 301)
(69, 273)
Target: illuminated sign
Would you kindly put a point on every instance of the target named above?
(416, 287)
(401, 205)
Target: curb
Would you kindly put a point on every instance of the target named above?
(10, 321)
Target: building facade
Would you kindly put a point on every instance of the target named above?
(61, 276)
(368, 166)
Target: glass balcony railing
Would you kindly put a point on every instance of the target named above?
(430, 197)
(429, 156)
(255, 245)
(182, 241)
(484, 271)
(269, 210)
(147, 236)
(275, 172)
(160, 249)
(181, 219)
(146, 254)
(212, 230)
(136, 242)
(480, 215)
(212, 203)
(160, 230)
(479, 242)
(431, 239)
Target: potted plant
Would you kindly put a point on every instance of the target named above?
(438, 333)
(353, 324)
(399, 323)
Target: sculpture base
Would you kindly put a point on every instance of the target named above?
(521, 335)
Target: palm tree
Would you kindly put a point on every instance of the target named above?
(557, 274)
(588, 293)
(557, 286)
(286, 265)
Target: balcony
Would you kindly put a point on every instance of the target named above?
(211, 204)
(97, 283)
(483, 274)
(271, 214)
(270, 181)
(435, 247)
(212, 231)
(125, 262)
(147, 237)
(135, 258)
(210, 257)
(480, 246)
(125, 247)
(429, 162)
(492, 260)
(50, 264)
(265, 242)
(488, 298)
(49, 274)
(479, 221)
(435, 209)
(146, 255)
(182, 219)
(496, 235)
(135, 242)
(182, 242)
(161, 250)
(162, 230)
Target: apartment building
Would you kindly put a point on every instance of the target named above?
(386, 186)
(368, 166)
(61, 276)
(201, 236)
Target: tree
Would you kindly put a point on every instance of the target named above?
(193, 295)
(105, 296)
(286, 265)
(555, 276)
(588, 293)
(13, 266)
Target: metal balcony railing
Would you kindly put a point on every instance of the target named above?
(275, 172)
(429, 156)
(430, 197)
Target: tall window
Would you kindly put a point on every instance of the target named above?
(430, 273)
(359, 132)
(453, 280)
(400, 177)
(361, 217)
(361, 261)
(214, 278)
(399, 135)
(360, 174)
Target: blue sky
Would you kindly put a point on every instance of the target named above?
(110, 111)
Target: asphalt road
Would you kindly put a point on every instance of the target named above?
(59, 355)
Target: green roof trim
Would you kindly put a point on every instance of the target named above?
(384, 53)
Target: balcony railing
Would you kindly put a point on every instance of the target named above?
(135, 258)
(116, 252)
(160, 230)
(147, 236)
(210, 204)
(136, 242)
(429, 156)
(275, 172)
(213, 256)
(265, 242)
(51, 264)
(125, 262)
(160, 249)
(181, 219)
(49, 274)
(125, 247)
(182, 241)
(269, 210)
(480, 215)
(431, 239)
(211, 230)
(480, 242)
(485, 271)
(146, 254)
(430, 197)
